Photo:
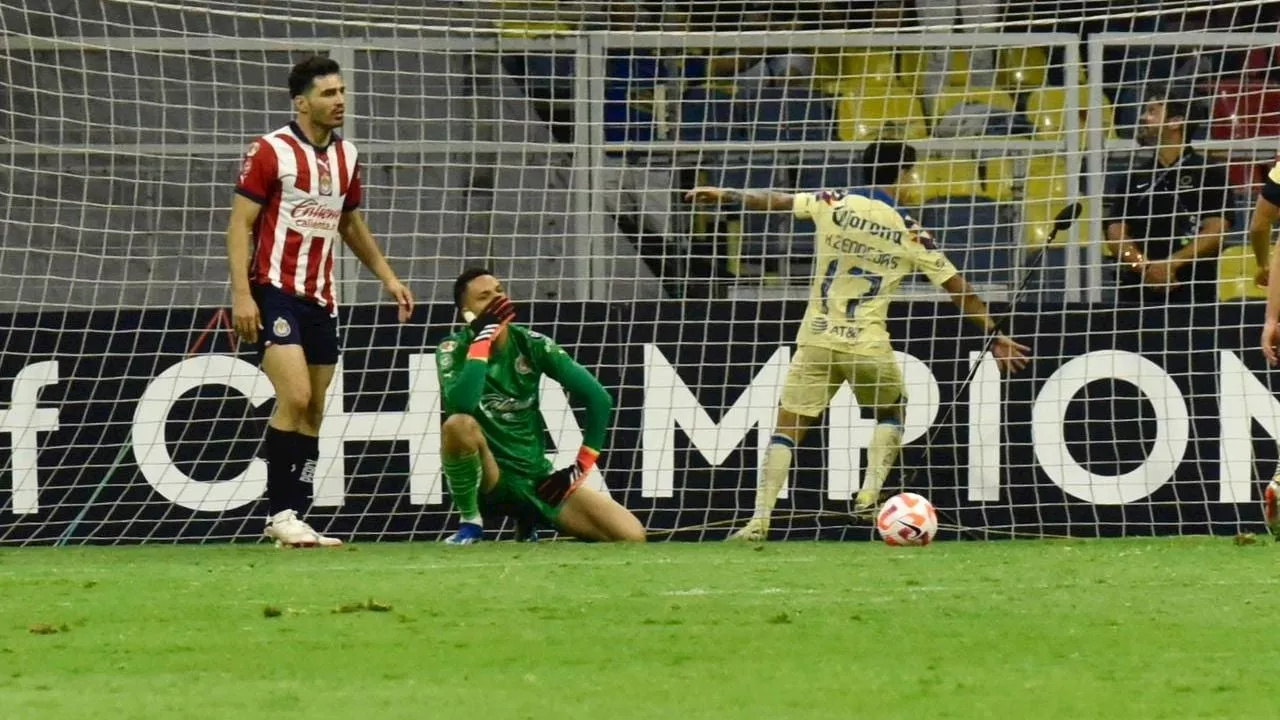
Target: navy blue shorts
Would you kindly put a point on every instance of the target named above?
(290, 320)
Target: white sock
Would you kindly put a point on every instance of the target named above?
(886, 441)
(773, 475)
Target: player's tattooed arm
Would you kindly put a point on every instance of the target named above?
(974, 309)
(749, 199)
(357, 236)
(1011, 356)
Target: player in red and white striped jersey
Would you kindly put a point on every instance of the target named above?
(297, 197)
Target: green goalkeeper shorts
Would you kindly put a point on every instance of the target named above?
(516, 497)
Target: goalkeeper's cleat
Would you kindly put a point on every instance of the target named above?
(526, 534)
(866, 504)
(290, 532)
(756, 530)
(468, 534)
(1271, 506)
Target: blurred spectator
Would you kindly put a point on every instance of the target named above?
(749, 70)
(703, 16)
(1255, 61)
(1263, 64)
(848, 14)
(976, 119)
(1167, 217)
(893, 15)
(636, 192)
(945, 16)
(1145, 67)
(786, 65)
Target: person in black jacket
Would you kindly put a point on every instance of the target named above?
(1166, 224)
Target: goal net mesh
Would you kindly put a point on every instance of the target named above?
(553, 142)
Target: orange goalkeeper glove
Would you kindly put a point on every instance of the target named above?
(559, 485)
(486, 327)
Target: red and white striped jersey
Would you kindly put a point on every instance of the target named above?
(303, 191)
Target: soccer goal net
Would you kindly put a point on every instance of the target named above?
(553, 143)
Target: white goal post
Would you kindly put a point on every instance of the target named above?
(555, 150)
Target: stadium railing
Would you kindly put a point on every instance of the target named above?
(1084, 149)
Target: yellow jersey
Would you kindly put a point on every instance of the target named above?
(1271, 185)
(863, 250)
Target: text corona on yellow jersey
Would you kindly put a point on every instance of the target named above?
(863, 250)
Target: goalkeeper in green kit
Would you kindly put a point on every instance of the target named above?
(495, 459)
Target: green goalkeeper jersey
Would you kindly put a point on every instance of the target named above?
(502, 395)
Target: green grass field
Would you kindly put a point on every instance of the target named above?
(1099, 629)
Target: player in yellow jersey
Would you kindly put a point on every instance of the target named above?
(864, 249)
(1265, 216)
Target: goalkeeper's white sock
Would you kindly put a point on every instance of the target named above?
(886, 441)
(773, 475)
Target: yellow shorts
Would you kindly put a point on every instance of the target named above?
(816, 374)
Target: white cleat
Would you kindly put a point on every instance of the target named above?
(756, 530)
(290, 532)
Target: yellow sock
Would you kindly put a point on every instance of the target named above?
(886, 441)
(773, 475)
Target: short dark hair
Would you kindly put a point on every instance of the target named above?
(460, 285)
(1181, 103)
(884, 162)
(304, 73)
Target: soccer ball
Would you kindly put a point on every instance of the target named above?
(907, 519)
